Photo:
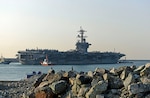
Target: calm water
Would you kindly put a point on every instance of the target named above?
(16, 71)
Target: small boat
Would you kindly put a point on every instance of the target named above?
(4, 61)
(46, 62)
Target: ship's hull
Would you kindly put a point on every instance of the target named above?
(74, 58)
(84, 62)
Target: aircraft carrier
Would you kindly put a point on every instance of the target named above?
(79, 56)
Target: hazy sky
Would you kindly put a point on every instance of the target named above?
(120, 25)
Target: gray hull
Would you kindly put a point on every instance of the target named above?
(73, 58)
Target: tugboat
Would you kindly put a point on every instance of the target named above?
(79, 56)
(46, 62)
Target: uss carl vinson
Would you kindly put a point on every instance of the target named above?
(79, 56)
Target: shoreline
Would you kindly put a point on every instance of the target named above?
(119, 82)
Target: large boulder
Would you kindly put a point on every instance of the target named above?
(39, 80)
(83, 79)
(113, 93)
(120, 70)
(137, 70)
(43, 84)
(147, 96)
(70, 74)
(59, 87)
(96, 80)
(100, 96)
(83, 90)
(75, 88)
(136, 88)
(98, 88)
(124, 73)
(147, 65)
(145, 71)
(145, 80)
(114, 82)
(106, 76)
(68, 95)
(113, 71)
(90, 73)
(130, 79)
(100, 70)
(51, 77)
(44, 92)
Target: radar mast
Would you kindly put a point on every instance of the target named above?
(82, 35)
(82, 45)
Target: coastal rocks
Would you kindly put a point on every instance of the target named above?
(122, 82)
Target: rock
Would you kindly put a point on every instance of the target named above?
(114, 71)
(53, 77)
(68, 95)
(139, 95)
(83, 91)
(70, 74)
(115, 82)
(82, 79)
(90, 74)
(100, 70)
(145, 80)
(75, 88)
(106, 76)
(137, 70)
(59, 87)
(113, 93)
(130, 79)
(122, 68)
(145, 71)
(72, 81)
(136, 88)
(44, 92)
(97, 89)
(100, 96)
(96, 80)
(133, 67)
(124, 74)
(48, 76)
(51, 71)
(43, 84)
(147, 65)
(124, 93)
(147, 96)
(39, 80)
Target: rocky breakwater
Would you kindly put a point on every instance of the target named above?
(123, 82)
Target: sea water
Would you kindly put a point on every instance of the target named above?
(16, 71)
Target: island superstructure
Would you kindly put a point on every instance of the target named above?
(79, 56)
